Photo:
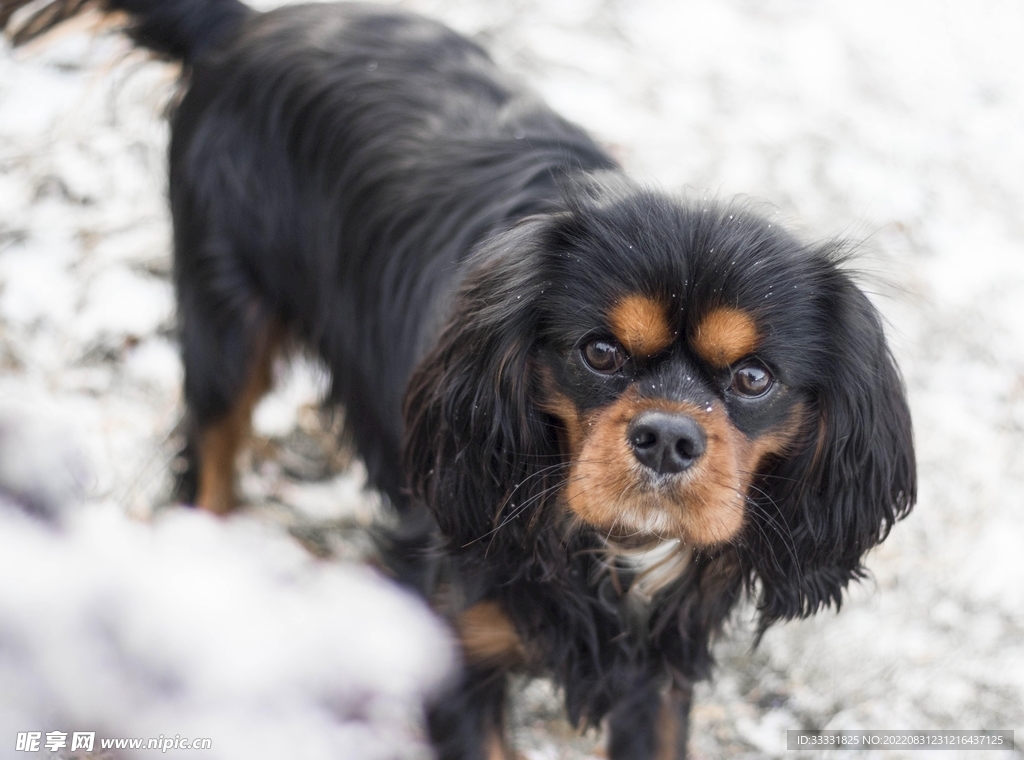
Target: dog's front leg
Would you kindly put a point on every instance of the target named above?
(467, 722)
(649, 725)
(675, 722)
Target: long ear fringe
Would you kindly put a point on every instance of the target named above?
(477, 450)
(855, 476)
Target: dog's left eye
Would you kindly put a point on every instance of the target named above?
(604, 356)
(752, 379)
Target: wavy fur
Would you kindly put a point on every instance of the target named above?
(369, 184)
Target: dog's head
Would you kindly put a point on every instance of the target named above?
(644, 368)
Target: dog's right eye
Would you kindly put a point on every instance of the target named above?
(752, 379)
(604, 356)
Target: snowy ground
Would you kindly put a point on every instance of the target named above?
(896, 122)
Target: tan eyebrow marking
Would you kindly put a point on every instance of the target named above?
(725, 335)
(640, 324)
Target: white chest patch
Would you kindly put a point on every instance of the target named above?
(653, 565)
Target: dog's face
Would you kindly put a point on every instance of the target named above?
(654, 369)
(666, 409)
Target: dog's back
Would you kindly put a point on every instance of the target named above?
(330, 167)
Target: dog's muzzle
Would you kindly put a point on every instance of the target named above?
(666, 443)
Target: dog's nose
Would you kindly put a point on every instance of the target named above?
(666, 443)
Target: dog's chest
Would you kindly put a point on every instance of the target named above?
(640, 572)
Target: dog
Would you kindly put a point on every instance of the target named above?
(604, 414)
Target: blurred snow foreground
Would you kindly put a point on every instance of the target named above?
(194, 626)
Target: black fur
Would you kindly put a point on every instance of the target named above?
(183, 29)
(369, 180)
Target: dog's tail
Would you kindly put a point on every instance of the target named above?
(179, 29)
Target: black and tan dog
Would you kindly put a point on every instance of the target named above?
(617, 412)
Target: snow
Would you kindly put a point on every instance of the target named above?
(206, 628)
(893, 122)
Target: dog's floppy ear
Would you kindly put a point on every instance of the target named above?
(855, 475)
(478, 451)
